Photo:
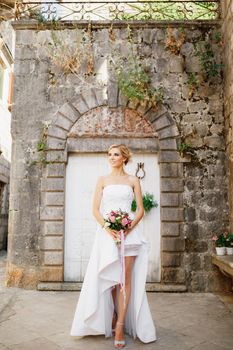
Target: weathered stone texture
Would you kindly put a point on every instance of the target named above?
(192, 193)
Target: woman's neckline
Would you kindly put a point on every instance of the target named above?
(118, 185)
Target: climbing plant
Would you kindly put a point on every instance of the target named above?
(133, 78)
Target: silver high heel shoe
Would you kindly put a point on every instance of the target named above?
(119, 344)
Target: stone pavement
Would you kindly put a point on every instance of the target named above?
(32, 320)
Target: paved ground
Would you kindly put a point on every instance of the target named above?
(32, 320)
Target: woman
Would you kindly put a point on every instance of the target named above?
(101, 308)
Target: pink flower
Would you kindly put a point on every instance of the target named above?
(124, 222)
(215, 238)
(112, 218)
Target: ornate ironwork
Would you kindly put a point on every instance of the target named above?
(118, 10)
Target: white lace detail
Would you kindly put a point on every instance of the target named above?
(116, 197)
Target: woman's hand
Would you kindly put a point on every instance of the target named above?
(128, 230)
(113, 233)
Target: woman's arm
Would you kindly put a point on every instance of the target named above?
(140, 209)
(96, 205)
(97, 200)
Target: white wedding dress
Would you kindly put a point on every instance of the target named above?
(94, 310)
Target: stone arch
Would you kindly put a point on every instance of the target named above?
(171, 180)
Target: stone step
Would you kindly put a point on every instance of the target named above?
(76, 286)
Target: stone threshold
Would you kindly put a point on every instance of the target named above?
(224, 262)
(76, 286)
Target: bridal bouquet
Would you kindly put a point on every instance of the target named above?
(118, 220)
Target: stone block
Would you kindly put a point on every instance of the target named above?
(112, 94)
(171, 170)
(168, 144)
(173, 275)
(142, 109)
(172, 214)
(168, 156)
(176, 64)
(52, 184)
(154, 114)
(171, 185)
(190, 214)
(52, 243)
(170, 259)
(198, 246)
(53, 258)
(215, 141)
(53, 228)
(187, 49)
(101, 96)
(162, 122)
(55, 170)
(90, 99)
(197, 106)
(168, 132)
(179, 106)
(80, 105)
(69, 112)
(51, 213)
(133, 105)
(55, 144)
(62, 122)
(51, 274)
(55, 131)
(122, 100)
(54, 156)
(170, 229)
(148, 36)
(169, 200)
(54, 198)
(173, 244)
(192, 64)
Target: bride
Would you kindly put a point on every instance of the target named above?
(101, 308)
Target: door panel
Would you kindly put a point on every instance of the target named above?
(80, 225)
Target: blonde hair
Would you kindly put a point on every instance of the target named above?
(125, 151)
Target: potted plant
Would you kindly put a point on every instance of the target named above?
(220, 243)
(229, 243)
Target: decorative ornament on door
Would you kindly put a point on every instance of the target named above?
(140, 168)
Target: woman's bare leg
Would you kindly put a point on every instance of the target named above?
(129, 261)
(114, 303)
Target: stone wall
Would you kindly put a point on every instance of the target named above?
(195, 188)
(227, 30)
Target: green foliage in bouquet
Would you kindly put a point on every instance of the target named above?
(148, 202)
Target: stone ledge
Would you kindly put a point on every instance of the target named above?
(76, 286)
(224, 262)
(33, 24)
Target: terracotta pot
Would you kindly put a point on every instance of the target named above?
(220, 250)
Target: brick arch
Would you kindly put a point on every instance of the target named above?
(171, 181)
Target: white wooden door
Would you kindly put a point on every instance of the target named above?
(80, 225)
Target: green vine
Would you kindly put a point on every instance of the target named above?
(192, 82)
(134, 81)
(209, 66)
(41, 147)
(148, 202)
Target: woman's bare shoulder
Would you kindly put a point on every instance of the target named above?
(133, 180)
(101, 180)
